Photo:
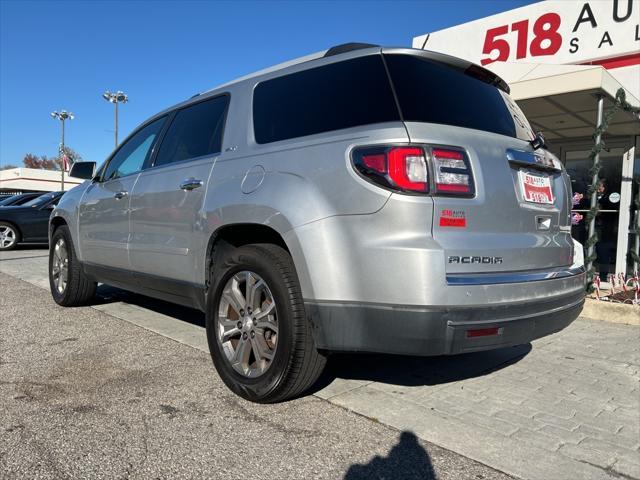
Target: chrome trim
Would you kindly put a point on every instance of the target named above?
(191, 184)
(511, 277)
(530, 159)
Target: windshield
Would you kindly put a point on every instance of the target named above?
(435, 92)
(41, 200)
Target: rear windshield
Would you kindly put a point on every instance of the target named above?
(332, 97)
(434, 92)
(357, 92)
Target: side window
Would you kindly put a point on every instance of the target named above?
(195, 131)
(132, 155)
(332, 97)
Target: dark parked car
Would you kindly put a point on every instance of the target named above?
(16, 200)
(28, 222)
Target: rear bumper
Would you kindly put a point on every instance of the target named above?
(441, 330)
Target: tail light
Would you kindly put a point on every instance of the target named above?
(452, 172)
(407, 169)
(398, 168)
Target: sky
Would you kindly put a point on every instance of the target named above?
(58, 55)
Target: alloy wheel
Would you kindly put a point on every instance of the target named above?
(248, 324)
(7, 236)
(60, 267)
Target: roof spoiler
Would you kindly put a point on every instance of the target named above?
(348, 47)
(487, 76)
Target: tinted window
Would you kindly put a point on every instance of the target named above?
(8, 200)
(194, 132)
(433, 92)
(42, 199)
(340, 95)
(132, 155)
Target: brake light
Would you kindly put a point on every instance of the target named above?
(406, 168)
(452, 172)
(401, 168)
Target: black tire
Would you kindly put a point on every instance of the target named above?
(16, 234)
(296, 364)
(79, 288)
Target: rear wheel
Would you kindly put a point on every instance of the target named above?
(70, 287)
(9, 236)
(259, 338)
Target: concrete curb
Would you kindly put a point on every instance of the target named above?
(611, 312)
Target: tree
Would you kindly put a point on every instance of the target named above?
(33, 161)
(7, 167)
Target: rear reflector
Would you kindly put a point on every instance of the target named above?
(483, 332)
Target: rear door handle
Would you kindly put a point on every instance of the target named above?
(119, 195)
(191, 184)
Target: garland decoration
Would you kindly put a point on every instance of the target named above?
(619, 103)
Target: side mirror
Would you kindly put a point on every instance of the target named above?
(83, 170)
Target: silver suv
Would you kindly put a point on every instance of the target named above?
(360, 199)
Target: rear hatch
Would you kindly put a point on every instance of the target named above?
(516, 214)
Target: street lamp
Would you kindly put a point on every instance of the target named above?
(62, 115)
(116, 98)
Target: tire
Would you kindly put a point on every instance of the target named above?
(78, 289)
(295, 363)
(9, 236)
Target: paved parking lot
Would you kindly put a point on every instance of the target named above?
(565, 407)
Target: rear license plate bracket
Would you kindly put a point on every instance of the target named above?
(535, 187)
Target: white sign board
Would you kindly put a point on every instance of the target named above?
(553, 31)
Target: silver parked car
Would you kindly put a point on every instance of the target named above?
(360, 199)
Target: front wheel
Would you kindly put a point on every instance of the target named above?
(258, 334)
(70, 287)
(9, 236)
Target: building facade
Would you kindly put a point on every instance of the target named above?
(23, 180)
(564, 60)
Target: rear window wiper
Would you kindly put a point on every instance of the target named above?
(538, 141)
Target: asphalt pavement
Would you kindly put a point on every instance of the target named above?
(564, 407)
(84, 394)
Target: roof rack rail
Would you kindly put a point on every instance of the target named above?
(194, 96)
(348, 47)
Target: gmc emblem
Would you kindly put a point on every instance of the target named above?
(485, 260)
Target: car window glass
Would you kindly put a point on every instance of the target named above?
(38, 200)
(434, 92)
(332, 97)
(132, 155)
(195, 131)
(7, 200)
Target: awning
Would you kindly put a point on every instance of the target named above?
(560, 100)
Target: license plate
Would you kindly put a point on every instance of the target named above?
(536, 187)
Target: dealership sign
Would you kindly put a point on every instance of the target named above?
(554, 31)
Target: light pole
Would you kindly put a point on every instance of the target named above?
(62, 116)
(116, 98)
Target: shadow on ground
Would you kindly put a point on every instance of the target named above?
(107, 294)
(417, 371)
(389, 369)
(406, 460)
(32, 246)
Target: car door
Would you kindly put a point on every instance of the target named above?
(104, 208)
(168, 196)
